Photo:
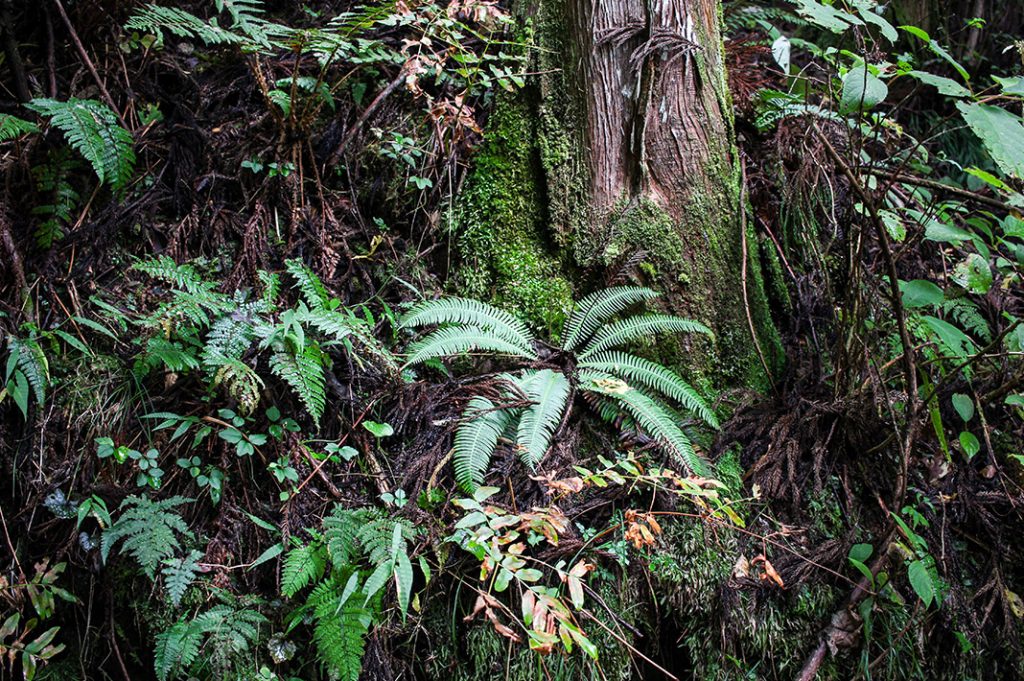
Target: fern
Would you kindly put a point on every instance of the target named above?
(471, 313)
(456, 340)
(312, 289)
(303, 565)
(654, 418)
(93, 130)
(475, 440)
(155, 19)
(304, 372)
(597, 308)
(240, 380)
(12, 127)
(549, 392)
(149, 531)
(631, 328)
(29, 358)
(179, 573)
(171, 354)
(53, 178)
(221, 633)
(340, 631)
(967, 314)
(654, 376)
(183, 276)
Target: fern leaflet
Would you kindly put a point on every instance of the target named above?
(475, 440)
(549, 392)
(597, 308)
(456, 340)
(631, 328)
(178, 573)
(471, 313)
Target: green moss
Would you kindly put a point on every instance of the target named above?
(498, 225)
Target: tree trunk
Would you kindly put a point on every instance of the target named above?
(629, 142)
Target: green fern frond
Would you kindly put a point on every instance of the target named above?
(179, 573)
(176, 649)
(12, 126)
(304, 372)
(221, 633)
(93, 130)
(229, 336)
(149, 531)
(340, 631)
(651, 416)
(654, 376)
(30, 359)
(594, 310)
(155, 19)
(171, 354)
(341, 532)
(237, 377)
(549, 392)
(271, 287)
(474, 314)
(312, 289)
(631, 328)
(456, 340)
(183, 276)
(302, 565)
(54, 178)
(475, 440)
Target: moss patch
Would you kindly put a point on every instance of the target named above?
(498, 224)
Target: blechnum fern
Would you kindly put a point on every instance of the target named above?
(647, 394)
(199, 328)
(26, 373)
(93, 130)
(360, 556)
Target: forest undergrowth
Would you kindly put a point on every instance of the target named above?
(253, 425)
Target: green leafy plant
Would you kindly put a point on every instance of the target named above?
(93, 130)
(349, 565)
(211, 641)
(622, 384)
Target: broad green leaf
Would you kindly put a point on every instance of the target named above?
(964, 406)
(945, 233)
(974, 274)
(379, 430)
(1002, 133)
(921, 579)
(937, 49)
(862, 90)
(1011, 86)
(866, 10)
(920, 293)
(969, 443)
(826, 16)
(945, 86)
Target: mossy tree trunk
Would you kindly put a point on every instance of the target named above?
(625, 145)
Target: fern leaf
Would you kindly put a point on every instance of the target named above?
(176, 649)
(183, 276)
(631, 328)
(651, 416)
(155, 19)
(312, 289)
(302, 565)
(340, 631)
(475, 441)
(597, 308)
(470, 313)
(549, 392)
(12, 126)
(456, 340)
(304, 372)
(149, 530)
(240, 380)
(179, 573)
(341, 532)
(31, 360)
(92, 130)
(654, 376)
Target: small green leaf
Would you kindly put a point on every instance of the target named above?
(974, 274)
(921, 580)
(969, 443)
(964, 406)
(379, 430)
(920, 293)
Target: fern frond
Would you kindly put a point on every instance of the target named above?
(12, 126)
(221, 633)
(340, 631)
(654, 376)
(229, 336)
(155, 19)
(631, 328)
(312, 289)
(183, 276)
(549, 392)
(597, 308)
(653, 418)
(456, 340)
(475, 440)
(149, 530)
(302, 565)
(179, 573)
(176, 649)
(304, 372)
(92, 130)
(470, 313)
(171, 354)
(341, 532)
(54, 179)
(240, 380)
(29, 357)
